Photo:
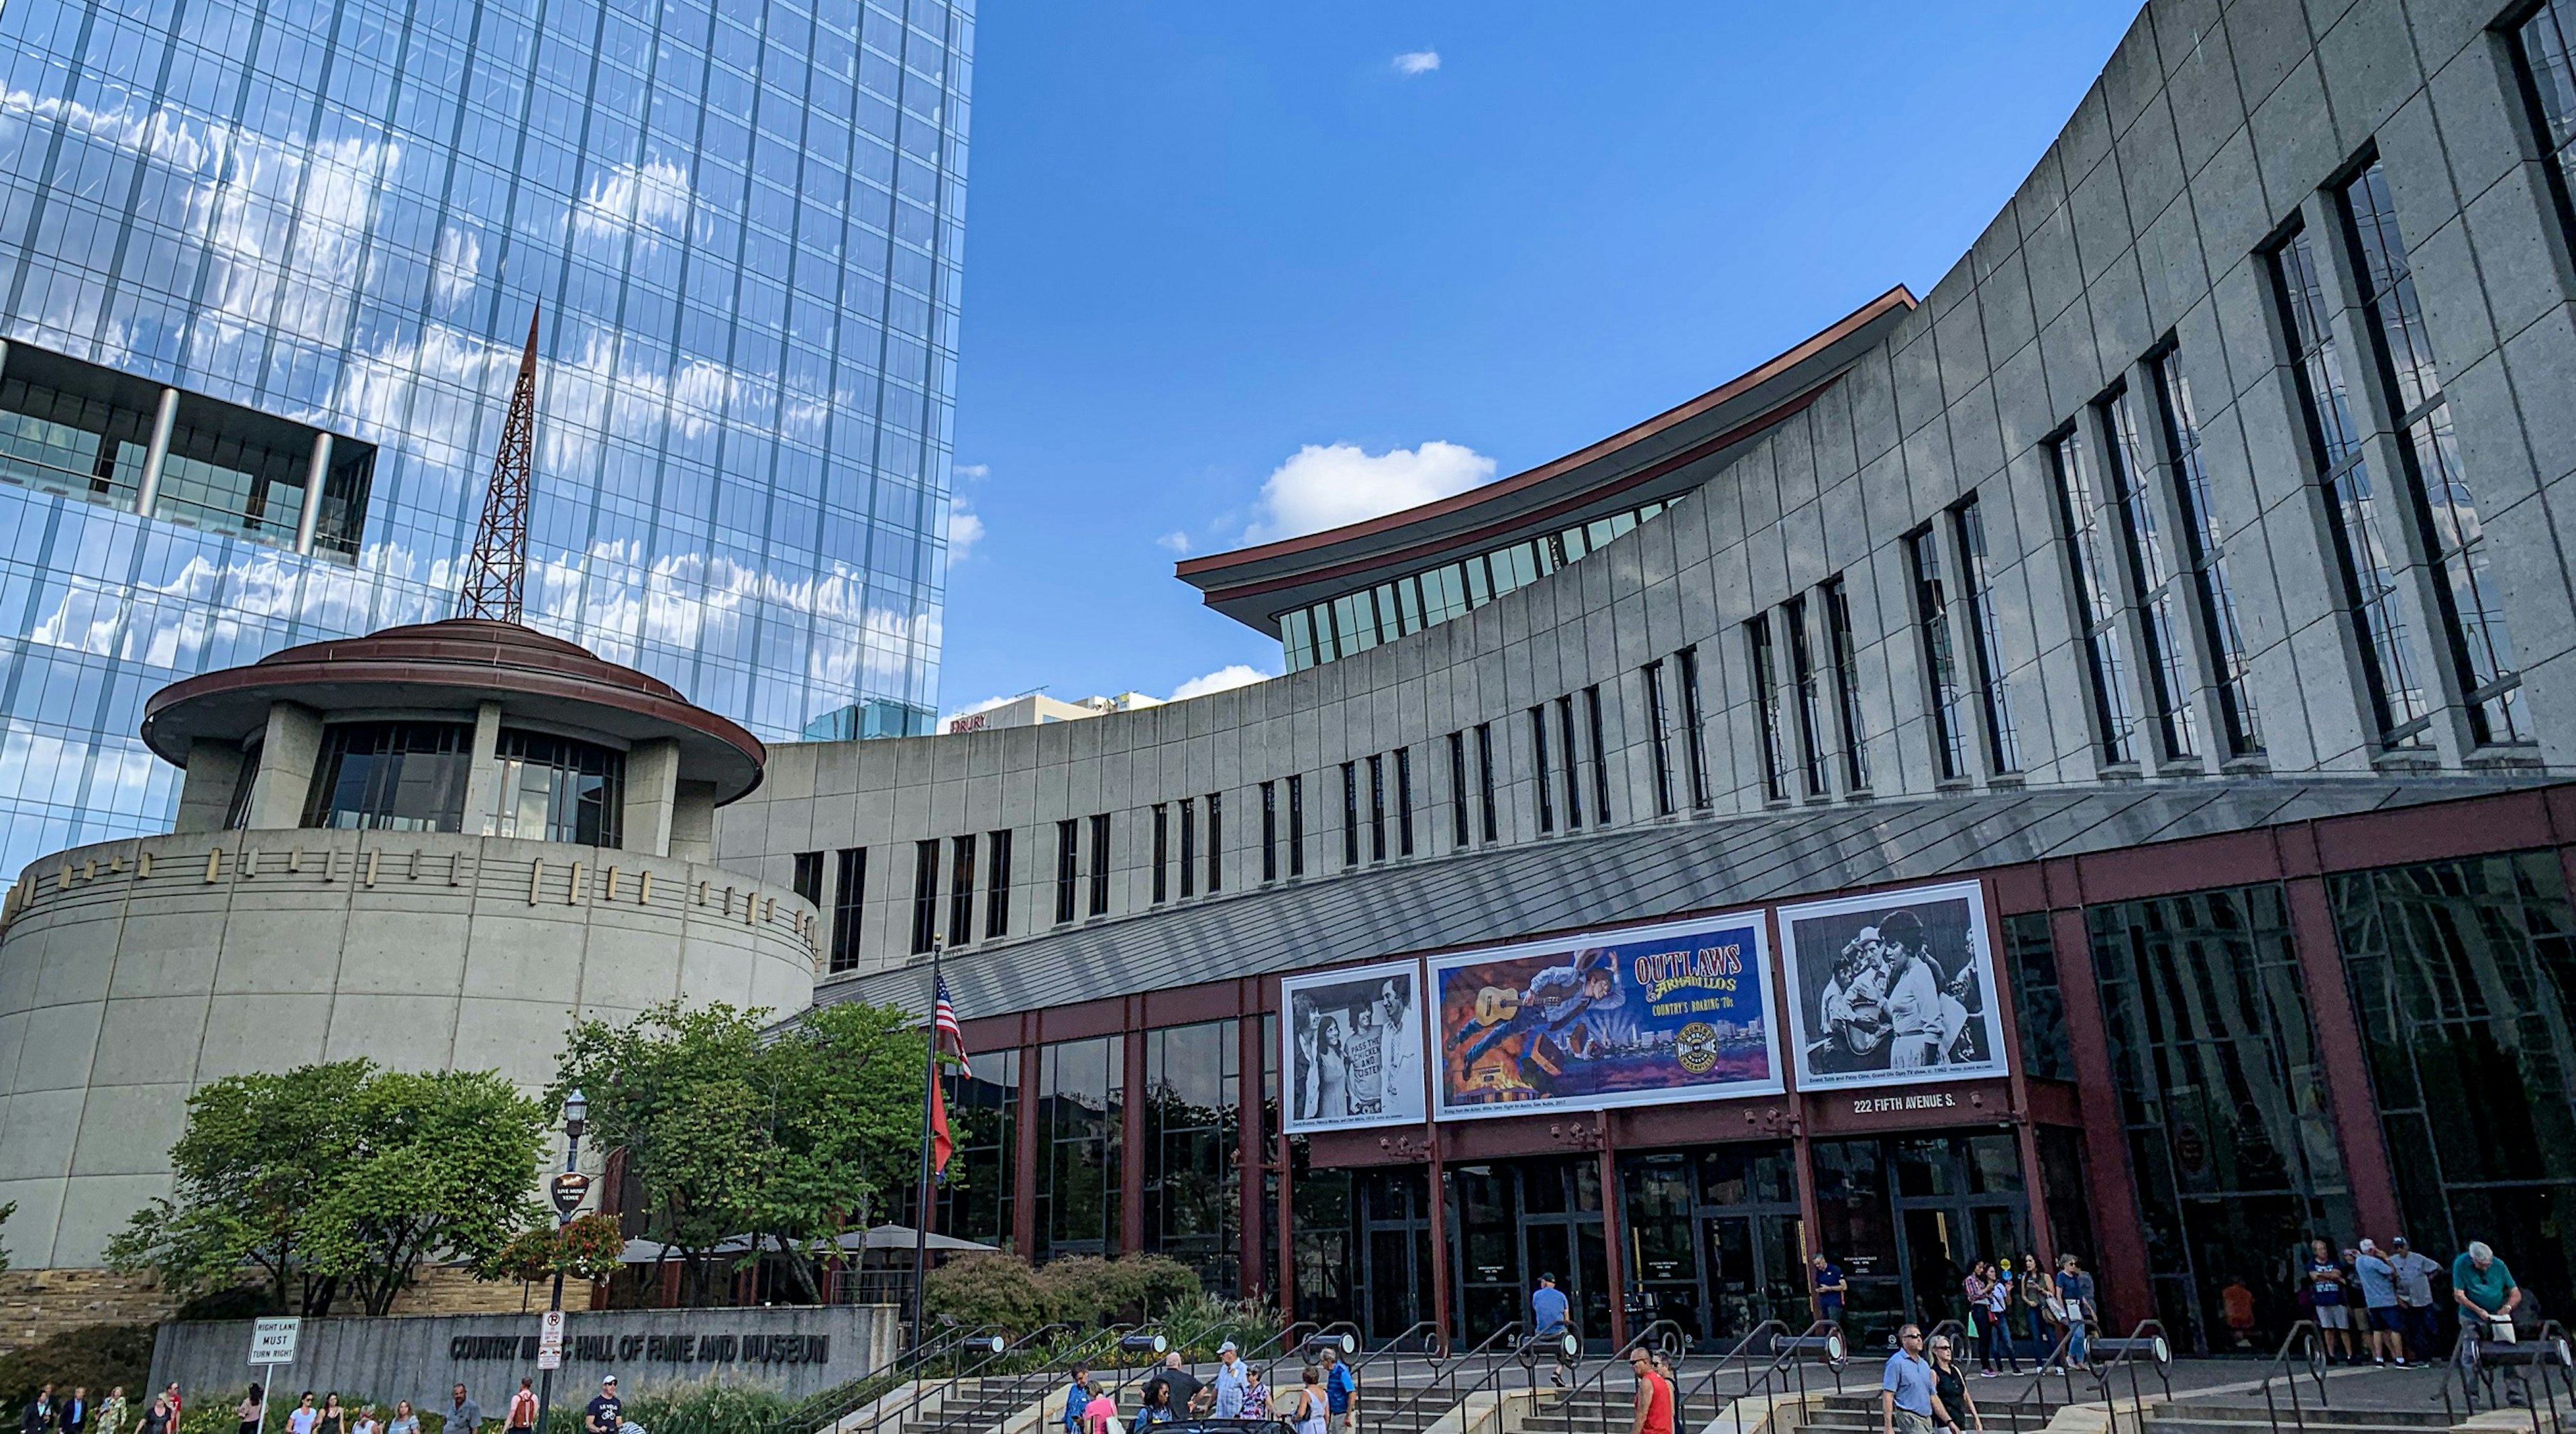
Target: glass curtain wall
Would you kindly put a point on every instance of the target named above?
(1193, 1193)
(2463, 979)
(983, 1119)
(1082, 1110)
(391, 776)
(2231, 1142)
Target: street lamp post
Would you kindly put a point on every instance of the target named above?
(576, 1113)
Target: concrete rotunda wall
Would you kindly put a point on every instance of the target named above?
(132, 972)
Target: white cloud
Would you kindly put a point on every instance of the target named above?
(1324, 487)
(971, 471)
(970, 709)
(1417, 62)
(1174, 542)
(1224, 678)
(964, 529)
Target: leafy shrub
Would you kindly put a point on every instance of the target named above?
(701, 1406)
(98, 1357)
(1087, 1291)
(980, 1290)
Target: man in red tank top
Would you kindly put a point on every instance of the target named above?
(1654, 1395)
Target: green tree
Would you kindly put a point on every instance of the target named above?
(339, 1177)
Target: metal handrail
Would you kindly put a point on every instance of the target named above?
(905, 1367)
(1601, 1376)
(2102, 1375)
(2051, 1361)
(2303, 1336)
(1443, 1372)
(1789, 1367)
(1394, 1348)
(1743, 1350)
(923, 1388)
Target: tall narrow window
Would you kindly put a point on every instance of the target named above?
(1296, 825)
(1845, 657)
(1458, 789)
(2546, 61)
(1807, 687)
(2203, 548)
(961, 890)
(1270, 831)
(1189, 848)
(1659, 728)
(1766, 708)
(1573, 778)
(925, 895)
(1977, 586)
(1600, 755)
(1694, 729)
(1485, 777)
(808, 879)
(1162, 851)
(2151, 577)
(2445, 507)
(1215, 842)
(997, 884)
(849, 899)
(1377, 808)
(1404, 801)
(1099, 903)
(1539, 769)
(2382, 615)
(1940, 660)
(1068, 867)
(1350, 814)
(2079, 508)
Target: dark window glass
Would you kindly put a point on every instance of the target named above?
(245, 783)
(925, 895)
(1270, 831)
(1193, 1106)
(2445, 509)
(1082, 1087)
(1694, 728)
(808, 878)
(1215, 842)
(1404, 801)
(1940, 661)
(1162, 850)
(1600, 755)
(2214, 1061)
(2547, 69)
(2204, 548)
(1099, 903)
(1804, 685)
(997, 884)
(1538, 769)
(961, 890)
(548, 788)
(1573, 778)
(1189, 848)
(974, 1200)
(2039, 1006)
(402, 776)
(1296, 825)
(1766, 708)
(1977, 588)
(1485, 777)
(2463, 982)
(1377, 808)
(1068, 870)
(2151, 577)
(1845, 657)
(2097, 603)
(1458, 789)
(849, 899)
(1659, 728)
(1350, 814)
(2383, 616)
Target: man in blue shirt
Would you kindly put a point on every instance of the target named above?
(2379, 1297)
(1830, 1289)
(1341, 1391)
(1905, 1388)
(1548, 1307)
(1076, 1395)
(1233, 1380)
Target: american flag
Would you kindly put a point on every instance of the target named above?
(943, 1022)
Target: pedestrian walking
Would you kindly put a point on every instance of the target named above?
(2415, 1272)
(2485, 1292)
(2000, 1301)
(1314, 1405)
(1341, 1393)
(160, 1418)
(1972, 1288)
(1654, 1394)
(246, 1415)
(2378, 1281)
(305, 1416)
(464, 1416)
(75, 1411)
(404, 1420)
(39, 1415)
(2035, 1292)
(1548, 1310)
(178, 1408)
(1099, 1413)
(1952, 1407)
(522, 1415)
(1905, 1387)
(606, 1411)
(335, 1417)
(2076, 1307)
(1831, 1289)
(366, 1421)
(112, 1412)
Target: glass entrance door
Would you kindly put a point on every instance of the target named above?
(1714, 1239)
(1395, 1252)
(1510, 1222)
(1907, 1216)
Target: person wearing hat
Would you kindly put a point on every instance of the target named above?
(2414, 1273)
(604, 1414)
(1548, 1308)
(1232, 1382)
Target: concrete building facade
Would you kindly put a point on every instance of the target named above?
(2186, 568)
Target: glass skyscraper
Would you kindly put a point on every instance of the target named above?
(265, 271)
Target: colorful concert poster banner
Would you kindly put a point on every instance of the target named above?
(1608, 1018)
(1352, 1047)
(1892, 989)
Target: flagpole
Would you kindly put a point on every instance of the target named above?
(929, 1086)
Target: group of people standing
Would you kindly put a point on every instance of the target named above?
(1234, 1391)
(2379, 1304)
(49, 1413)
(2057, 1310)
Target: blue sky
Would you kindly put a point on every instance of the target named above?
(1204, 237)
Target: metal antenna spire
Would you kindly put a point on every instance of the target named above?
(498, 574)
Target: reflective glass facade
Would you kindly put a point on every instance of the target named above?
(742, 221)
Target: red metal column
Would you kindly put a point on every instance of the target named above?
(1024, 1149)
(1438, 1184)
(2120, 1266)
(1131, 1169)
(1614, 1252)
(1287, 1234)
(2339, 1051)
(1248, 1142)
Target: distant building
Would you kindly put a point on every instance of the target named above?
(1036, 709)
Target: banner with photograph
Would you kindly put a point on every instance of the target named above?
(1681, 1010)
(1892, 989)
(1351, 1047)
